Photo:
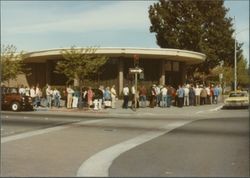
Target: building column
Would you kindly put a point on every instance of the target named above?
(162, 72)
(184, 73)
(48, 72)
(120, 74)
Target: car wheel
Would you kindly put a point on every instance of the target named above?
(15, 106)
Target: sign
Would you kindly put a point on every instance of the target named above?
(135, 70)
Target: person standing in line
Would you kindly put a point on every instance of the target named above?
(57, 97)
(164, 91)
(197, 95)
(152, 96)
(103, 90)
(76, 96)
(186, 95)
(220, 93)
(212, 94)
(125, 92)
(169, 95)
(143, 96)
(90, 95)
(216, 94)
(99, 97)
(33, 95)
(158, 95)
(39, 95)
(180, 94)
(49, 94)
(27, 91)
(191, 95)
(107, 97)
(113, 96)
(70, 92)
(208, 95)
(203, 95)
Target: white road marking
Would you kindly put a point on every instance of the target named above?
(216, 109)
(98, 164)
(44, 131)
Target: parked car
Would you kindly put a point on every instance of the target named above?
(12, 100)
(238, 99)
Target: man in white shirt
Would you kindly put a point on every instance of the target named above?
(164, 91)
(33, 94)
(70, 92)
(125, 96)
(49, 94)
(197, 95)
(186, 95)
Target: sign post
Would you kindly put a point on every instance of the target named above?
(136, 71)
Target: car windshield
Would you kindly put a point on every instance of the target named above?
(6, 90)
(237, 95)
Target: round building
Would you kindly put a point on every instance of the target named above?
(163, 66)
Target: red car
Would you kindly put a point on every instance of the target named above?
(12, 100)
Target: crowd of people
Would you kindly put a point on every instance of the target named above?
(166, 95)
(155, 96)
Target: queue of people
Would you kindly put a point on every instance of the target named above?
(157, 95)
(166, 96)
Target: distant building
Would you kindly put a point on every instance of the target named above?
(163, 66)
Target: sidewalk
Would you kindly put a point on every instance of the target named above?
(119, 111)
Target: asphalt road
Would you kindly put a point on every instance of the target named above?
(213, 148)
(205, 143)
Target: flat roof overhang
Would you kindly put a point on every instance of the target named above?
(189, 57)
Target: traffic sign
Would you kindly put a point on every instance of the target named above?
(135, 70)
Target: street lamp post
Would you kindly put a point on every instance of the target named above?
(235, 59)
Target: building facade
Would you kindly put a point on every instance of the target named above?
(160, 66)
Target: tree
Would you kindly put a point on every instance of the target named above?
(200, 26)
(12, 63)
(228, 73)
(80, 63)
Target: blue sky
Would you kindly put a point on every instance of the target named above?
(38, 25)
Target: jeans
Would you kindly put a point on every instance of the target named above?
(164, 101)
(143, 101)
(169, 100)
(49, 101)
(57, 102)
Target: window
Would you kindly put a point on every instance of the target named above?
(175, 66)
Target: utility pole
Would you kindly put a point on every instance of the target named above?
(235, 58)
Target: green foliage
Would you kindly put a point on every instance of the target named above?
(228, 73)
(80, 63)
(200, 26)
(12, 63)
